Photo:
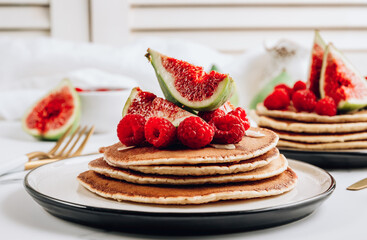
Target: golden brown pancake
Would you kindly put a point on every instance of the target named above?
(209, 168)
(158, 194)
(249, 147)
(321, 138)
(294, 126)
(324, 146)
(275, 167)
(360, 116)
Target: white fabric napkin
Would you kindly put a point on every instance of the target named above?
(30, 67)
(14, 103)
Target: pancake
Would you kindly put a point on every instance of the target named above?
(208, 169)
(324, 146)
(360, 116)
(294, 126)
(124, 191)
(275, 167)
(249, 147)
(321, 138)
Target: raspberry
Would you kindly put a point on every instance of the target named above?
(194, 132)
(326, 106)
(130, 130)
(284, 86)
(277, 100)
(241, 114)
(228, 129)
(207, 116)
(160, 132)
(299, 85)
(304, 100)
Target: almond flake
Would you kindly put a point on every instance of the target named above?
(224, 146)
(250, 133)
(125, 148)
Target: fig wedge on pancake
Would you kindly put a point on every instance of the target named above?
(317, 55)
(187, 85)
(149, 105)
(341, 81)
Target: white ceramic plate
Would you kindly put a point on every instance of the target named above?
(55, 187)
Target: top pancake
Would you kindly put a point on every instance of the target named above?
(360, 116)
(249, 147)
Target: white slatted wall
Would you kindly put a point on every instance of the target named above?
(24, 17)
(238, 25)
(65, 19)
(231, 26)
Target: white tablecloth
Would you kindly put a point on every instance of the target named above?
(342, 216)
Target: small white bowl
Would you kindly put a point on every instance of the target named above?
(103, 109)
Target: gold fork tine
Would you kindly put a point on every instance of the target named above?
(49, 154)
(82, 145)
(59, 142)
(81, 133)
(59, 154)
(34, 164)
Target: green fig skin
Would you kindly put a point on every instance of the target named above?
(224, 90)
(235, 99)
(55, 134)
(283, 77)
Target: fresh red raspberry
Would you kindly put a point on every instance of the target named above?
(160, 132)
(277, 100)
(241, 114)
(304, 100)
(299, 85)
(284, 86)
(228, 129)
(194, 132)
(130, 130)
(326, 106)
(207, 116)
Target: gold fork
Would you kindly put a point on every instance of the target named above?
(50, 154)
(66, 151)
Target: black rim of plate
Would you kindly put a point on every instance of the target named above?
(77, 206)
(327, 159)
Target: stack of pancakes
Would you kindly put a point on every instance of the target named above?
(302, 130)
(254, 168)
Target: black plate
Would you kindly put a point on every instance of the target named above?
(328, 159)
(185, 222)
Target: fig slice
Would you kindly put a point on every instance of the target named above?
(342, 82)
(188, 85)
(149, 105)
(51, 116)
(317, 55)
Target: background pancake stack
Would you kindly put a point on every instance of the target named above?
(301, 130)
(254, 168)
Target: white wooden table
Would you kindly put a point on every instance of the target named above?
(342, 216)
